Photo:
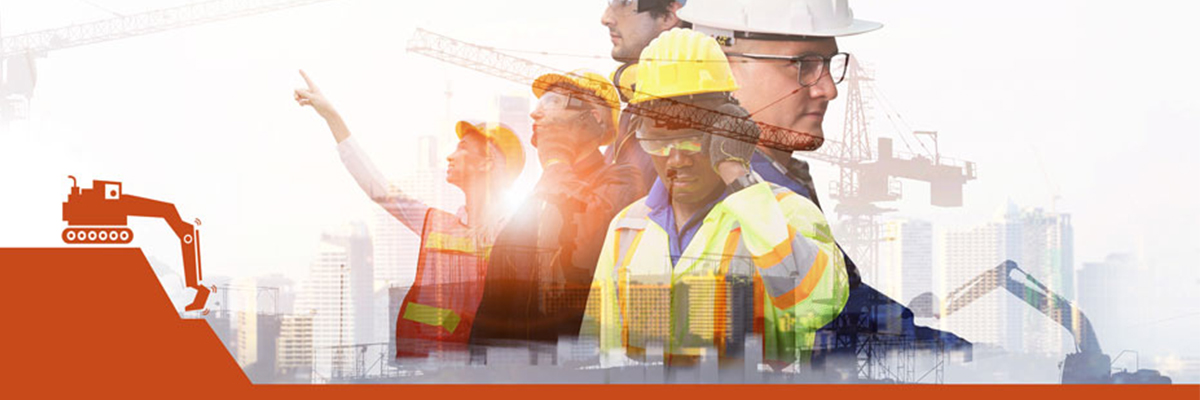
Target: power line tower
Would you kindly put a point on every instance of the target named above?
(18, 53)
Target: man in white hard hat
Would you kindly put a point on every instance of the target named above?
(785, 56)
(632, 24)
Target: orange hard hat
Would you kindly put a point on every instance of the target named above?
(500, 136)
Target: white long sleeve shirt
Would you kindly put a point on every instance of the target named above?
(407, 209)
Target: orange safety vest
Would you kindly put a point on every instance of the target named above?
(438, 310)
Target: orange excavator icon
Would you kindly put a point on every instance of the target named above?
(99, 215)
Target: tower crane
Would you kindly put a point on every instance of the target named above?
(869, 177)
(18, 53)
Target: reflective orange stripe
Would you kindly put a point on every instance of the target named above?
(776, 255)
(616, 247)
(731, 243)
(806, 286)
(623, 276)
(759, 298)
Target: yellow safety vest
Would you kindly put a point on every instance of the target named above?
(763, 261)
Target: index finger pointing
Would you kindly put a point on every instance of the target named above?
(308, 81)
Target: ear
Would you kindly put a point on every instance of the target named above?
(671, 20)
(599, 117)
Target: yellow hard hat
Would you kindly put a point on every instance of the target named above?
(592, 83)
(503, 138)
(625, 79)
(682, 62)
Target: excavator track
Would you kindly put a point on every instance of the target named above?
(97, 235)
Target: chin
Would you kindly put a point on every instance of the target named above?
(809, 129)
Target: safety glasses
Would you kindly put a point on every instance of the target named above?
(559, 101)
(811, 67)
(621, 4)
(687, 144)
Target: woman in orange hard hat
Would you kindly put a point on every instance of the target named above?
(437, 313)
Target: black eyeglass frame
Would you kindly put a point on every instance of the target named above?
(826, 64)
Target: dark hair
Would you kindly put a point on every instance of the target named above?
(660, 9)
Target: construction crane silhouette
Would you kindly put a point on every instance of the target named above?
(18, 53)
(867, 176)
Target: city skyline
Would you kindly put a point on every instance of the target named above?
(202, 117)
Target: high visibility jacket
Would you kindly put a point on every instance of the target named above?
(438, 310)
(763, 261)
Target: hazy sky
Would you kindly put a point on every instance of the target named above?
(1092, 100)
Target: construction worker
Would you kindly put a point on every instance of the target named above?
(436, 315)
(785, 56)
(541, 266)
(632, 24)
(711, 254)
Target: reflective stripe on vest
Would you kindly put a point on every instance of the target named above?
(434, 316)
(437, 312)
(448, 242)
(707, 290)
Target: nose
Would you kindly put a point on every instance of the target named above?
(607, 19)
(677, 160)
(824, 88)
(537, 114)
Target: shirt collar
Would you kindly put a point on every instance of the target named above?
(663, 213)
(774, 172)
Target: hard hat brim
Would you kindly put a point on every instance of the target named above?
(856, 27)
(503, 138)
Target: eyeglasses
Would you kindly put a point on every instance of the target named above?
(559, 101)
(811, 67)
(688, 144)
(621, 3)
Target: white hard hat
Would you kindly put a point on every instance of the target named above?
(728, 20)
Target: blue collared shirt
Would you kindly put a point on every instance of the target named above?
(663, 214)
(770, 172)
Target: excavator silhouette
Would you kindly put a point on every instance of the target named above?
(1087, 365)
(99, 215)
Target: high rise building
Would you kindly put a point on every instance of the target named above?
(905, 260)
(339, 294)
(990, 318)
(295, 347)
(1042, 244)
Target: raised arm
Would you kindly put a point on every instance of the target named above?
(410, 211)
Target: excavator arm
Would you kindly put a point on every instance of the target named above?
(1088, 365)
(98, 216)
(1032, 292)
(189, 240)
